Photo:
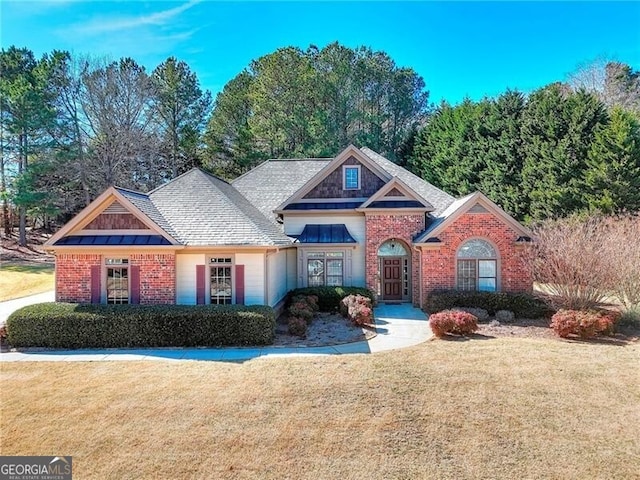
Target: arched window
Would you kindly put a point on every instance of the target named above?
(477, 266)
(392, 248)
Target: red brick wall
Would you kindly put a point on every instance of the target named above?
(157, 276)
(73, 276)
(383, 227)
(116, 221)
(439, 264)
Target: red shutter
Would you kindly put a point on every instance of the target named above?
(200, 284)
(240, 284)
(134, 278)
(96, 290)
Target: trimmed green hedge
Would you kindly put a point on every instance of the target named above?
(329, 297)
(68, 325)
(523, 305)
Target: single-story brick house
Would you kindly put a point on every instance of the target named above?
(357, 220)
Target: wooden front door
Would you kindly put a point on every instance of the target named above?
(392, 278)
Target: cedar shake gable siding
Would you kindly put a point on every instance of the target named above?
(333, 186)
(119, 221)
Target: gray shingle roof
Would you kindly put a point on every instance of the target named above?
(146, 206)
(436, 197)
(272, 182)
(205, 210)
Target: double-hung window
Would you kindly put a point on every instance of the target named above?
(117, 280)
(221, 284)
(477, 266)
(325, 268)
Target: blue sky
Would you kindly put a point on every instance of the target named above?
(460, 48)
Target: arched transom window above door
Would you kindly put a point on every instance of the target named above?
(392, 248)
(477, 266)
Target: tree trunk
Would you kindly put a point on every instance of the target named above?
(22, 211)
(3, 188)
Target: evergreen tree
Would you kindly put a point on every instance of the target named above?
(613, 164)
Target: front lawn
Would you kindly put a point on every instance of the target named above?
(495, 408)
(19, 280)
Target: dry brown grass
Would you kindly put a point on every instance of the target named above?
(503, 408)
(20, 280)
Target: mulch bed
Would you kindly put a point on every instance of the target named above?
(326, 329)
(539, 328)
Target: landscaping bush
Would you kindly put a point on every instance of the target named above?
(582, 323)
(311, 300)
(302, 309)
(329, 297)
(630, 317)
(523, 305)
(453, 322)
(505, 316)
(66, 325)
(480, 313)
(358, 309)
(297, 326)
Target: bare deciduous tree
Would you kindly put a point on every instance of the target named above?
(585, 263)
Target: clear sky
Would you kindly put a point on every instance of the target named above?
(459, 48)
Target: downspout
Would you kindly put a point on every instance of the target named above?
(421, 287)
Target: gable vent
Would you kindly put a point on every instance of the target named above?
(115, 208)
(477, 208)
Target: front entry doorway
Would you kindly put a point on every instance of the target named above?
(395, 261)
(392, 278)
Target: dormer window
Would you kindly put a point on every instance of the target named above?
(351, 176)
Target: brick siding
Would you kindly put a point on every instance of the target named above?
(383, 227)
(439, 264)
(73, 276)
(157, 276)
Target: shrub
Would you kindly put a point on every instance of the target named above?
(630, 317)
(329, 297)
(523, 305)
(358, 309)
(3, 332)
(67, 325)
(297, 326)
(311, 300)
(505, 316)
(583, 323)
(453, 322)
(301, 309)
(480, 313)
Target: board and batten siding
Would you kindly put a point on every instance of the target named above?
(277, 276)
(294, 224)
(186, 277)
(253, 277)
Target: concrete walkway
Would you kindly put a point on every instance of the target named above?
(398, 326)
(10, 306)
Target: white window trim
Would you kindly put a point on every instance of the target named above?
(104, 294)
(303, 258)
(210, 264)
(344, 176)
(497, 259)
